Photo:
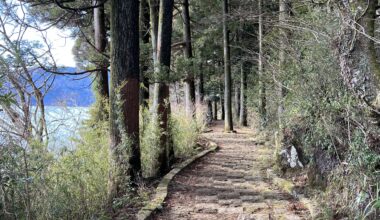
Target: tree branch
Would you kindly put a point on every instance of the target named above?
(79, 9)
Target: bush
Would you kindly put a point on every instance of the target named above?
(149, 139)
(332, 130)
(185, 132)
(71, 184)
(79, 178)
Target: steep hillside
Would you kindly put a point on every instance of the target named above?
(67, 89)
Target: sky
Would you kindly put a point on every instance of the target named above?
(62, 47)
(61, 43)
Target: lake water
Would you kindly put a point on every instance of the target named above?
(63, 124)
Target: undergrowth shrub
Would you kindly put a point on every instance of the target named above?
(69, 183)
(185, 132)
(355, 182)
(332, 130)
(72, 182)
(79, 177)
(149, 139)
(23, 180)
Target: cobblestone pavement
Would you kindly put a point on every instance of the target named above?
(230, 184)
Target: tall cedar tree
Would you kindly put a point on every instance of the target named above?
(201, 89)
(283, 11)
(153, 13)
(243, 95)
(215, 109)
(188, 52)
(237, 99)
(221, 91)
(145, 36)
(124, 96)
(357, 55)
(262, 93)
(100, 39)
(161, 105)
(228, 124)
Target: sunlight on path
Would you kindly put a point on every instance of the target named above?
(229, 184)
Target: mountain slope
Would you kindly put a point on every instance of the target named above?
(67, 89)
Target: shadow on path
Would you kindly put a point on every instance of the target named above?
(229, 184)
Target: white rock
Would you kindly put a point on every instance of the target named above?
(292, 157)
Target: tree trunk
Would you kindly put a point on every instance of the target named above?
(209, 112)
(145, 36)
(101, 82)
(222, 108)
(243, 95)
(237, 100)
(228, 126)
(357, 55)
(215, 109)
(263, 101)
(161, 104)
(124, 97)
(153, 12)
(201, 90)
(223, 116)
(189, 80)
(280, 88)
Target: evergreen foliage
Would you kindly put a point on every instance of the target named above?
(308, 71)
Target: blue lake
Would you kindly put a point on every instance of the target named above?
(63, 124)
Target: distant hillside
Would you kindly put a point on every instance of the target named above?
(68, 90)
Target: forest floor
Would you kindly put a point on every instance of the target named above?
(230, 183)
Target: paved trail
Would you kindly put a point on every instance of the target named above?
(229, 184)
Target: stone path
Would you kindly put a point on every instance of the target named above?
(230, 184)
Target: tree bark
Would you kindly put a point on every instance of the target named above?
(161, 104)
(222, 107)
(153, 12)
(237, 100)
(283, 11)
(209, 115)
(215, 110)
(145, 36)
(228, 124)
(357, 55)
(201, 90)
(101, 82)
(188, 53)
(243, 95)
(263, 101)
(124, 97)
